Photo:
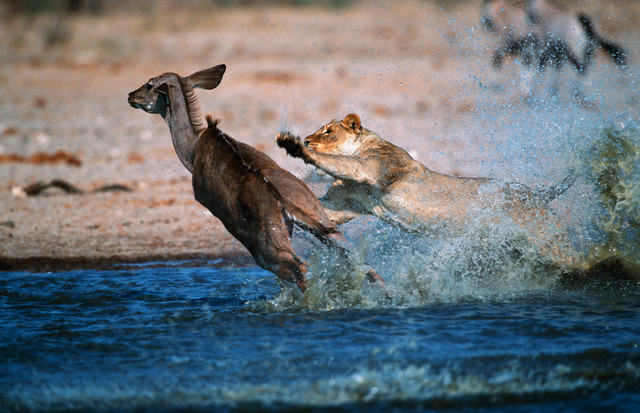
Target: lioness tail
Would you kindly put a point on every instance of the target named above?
(547, 195)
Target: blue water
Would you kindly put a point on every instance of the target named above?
(196, 338)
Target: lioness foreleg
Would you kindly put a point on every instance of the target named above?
(340, 203)
(293, 145)
(339, 166)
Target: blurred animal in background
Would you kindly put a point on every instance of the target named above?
(542, 35)
(511, 24)
(376, 177)
(257, 201)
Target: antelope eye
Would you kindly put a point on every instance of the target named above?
(149, 85)
(326, 131)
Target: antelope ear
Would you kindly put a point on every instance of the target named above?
(352, 121)
(162, 102)
(162, 88)
(206, 79)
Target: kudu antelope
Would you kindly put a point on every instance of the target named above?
(257, 201)
(542, 36)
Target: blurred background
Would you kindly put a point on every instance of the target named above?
(417, 72)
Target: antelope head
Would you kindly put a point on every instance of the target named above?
(155, 95)
(173, 97)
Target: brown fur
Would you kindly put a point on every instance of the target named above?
(375, 177)
(257, 201)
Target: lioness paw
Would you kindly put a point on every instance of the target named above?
(291, 143)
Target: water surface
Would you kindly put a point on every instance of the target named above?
(149, 338)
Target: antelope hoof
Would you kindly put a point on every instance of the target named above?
(372, 277)
(303, 284)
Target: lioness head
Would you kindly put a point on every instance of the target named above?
(340, 137)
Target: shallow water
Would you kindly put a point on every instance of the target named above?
(178, 337)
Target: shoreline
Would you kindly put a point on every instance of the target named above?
(42, 264)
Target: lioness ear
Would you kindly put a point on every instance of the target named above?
(206, 79)
(352, 121)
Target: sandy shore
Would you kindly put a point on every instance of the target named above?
(415, 72)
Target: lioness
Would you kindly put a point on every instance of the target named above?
(376, 177)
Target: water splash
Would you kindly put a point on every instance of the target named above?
(493, 258)
(486, 262)
(613, 165)
(282, 123)
(496, 261)
(335, 283)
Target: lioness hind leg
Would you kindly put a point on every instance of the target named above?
(342, 244)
